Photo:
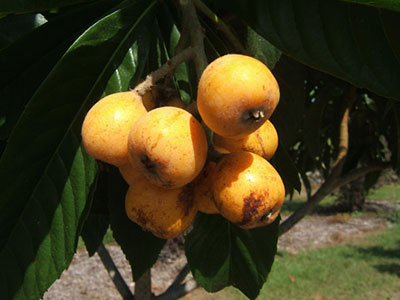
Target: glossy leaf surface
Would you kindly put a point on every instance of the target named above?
(45, 174)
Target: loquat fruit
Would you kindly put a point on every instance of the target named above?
(247, 189)
(236, 95)
(263, 141)
(169, 146)
(107, 124)
(166, 213)
(203, 193)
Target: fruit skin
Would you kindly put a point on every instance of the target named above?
(129, 174)
(203, 193)
(263, 141)
(167, 213)
(107, 124)
(247, 189)
(236, 95)
(169, 146)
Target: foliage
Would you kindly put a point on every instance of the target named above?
(365, 268)
(55, 69)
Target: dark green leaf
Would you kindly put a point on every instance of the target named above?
(261, 49)
(391, 23)
(220, 254)
(45, 175)
(291, 78)
(313, 123)
(388, 4)
(93, 232)
(97, 222)
(286, 169)
(46, 46)
(141, 247)
(23, 6)
(169, 38)
(348, 41)
(14, 26)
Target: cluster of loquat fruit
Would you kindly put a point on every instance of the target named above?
(163, 152)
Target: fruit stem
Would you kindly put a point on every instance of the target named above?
(196, 35)
(164, 70)
(221, 26)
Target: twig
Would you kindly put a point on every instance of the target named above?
(181, 276)
(325, 189)
(164, 70)
(196, 35)
(178, 290)
(221, 26)
(343, 147)
(143, 287)
(113, 272)
(184, 35)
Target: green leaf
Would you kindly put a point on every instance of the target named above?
(140, 247)
(261, 49)
(14, 26)
(93, 231)
(388, 4)
(348, 41)
(33, 66)
(169, 38)
(45, 176)
(23, 6)
(220, 254)
(287, 169)
(97, 222)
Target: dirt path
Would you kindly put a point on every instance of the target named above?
(86, 277)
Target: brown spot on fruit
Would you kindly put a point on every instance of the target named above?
(164, 212)
(186, 198)
(253, 204)
(245, 188)
(168, 146)
(141, 217)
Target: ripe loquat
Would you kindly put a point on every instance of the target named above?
(263, 141)
(107, 125)
(165, 212)
(203, 193)
(236, 95)
(247, 189)
(169, 146)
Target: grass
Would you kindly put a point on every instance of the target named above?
(289, 206)
(365, 269)
(384, 193)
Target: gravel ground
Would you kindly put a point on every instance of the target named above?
(86, 278)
